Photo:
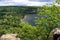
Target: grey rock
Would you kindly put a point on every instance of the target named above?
(9, 37)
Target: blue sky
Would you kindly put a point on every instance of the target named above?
(25, 2)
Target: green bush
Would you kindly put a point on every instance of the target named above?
(48, 20)
(25, 32)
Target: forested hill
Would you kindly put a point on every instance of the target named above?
(10, 22)
(18, 9)
(10, 16)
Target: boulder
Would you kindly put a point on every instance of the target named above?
(57, 31)
(9, 37)
(56, 35)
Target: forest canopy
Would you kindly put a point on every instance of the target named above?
(10, 21)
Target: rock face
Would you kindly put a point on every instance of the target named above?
(57, 31)
(56, 35)
(9, 37)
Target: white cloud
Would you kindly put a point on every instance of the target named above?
(36, 3)
(21, 3)
(19, 0)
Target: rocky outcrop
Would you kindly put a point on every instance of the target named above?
(9, 37)
(56, 35)
(57, 31)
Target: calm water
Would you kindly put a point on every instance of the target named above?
(30, 18)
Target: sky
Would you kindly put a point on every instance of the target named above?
(25, 2)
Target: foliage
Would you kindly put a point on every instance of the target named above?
(25, 32)
(48, 20)
(12, 15)
(58, 1)
(10, 22)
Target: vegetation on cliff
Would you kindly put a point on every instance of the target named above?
(10, 22)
